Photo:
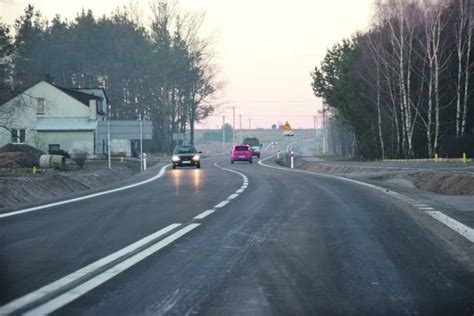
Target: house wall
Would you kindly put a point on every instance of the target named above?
(68, 140)
(57, 104)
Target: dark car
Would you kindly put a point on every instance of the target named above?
(254, 143)
(186, 155)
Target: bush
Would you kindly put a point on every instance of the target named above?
(79, 157)
(60, 152)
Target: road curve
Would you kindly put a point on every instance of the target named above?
(285, 243)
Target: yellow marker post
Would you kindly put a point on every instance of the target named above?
(436, 157)
(121, 158)
(464, 158)
(34, 169)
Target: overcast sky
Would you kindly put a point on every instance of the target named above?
(266, 49)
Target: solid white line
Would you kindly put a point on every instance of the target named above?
(204, 214)
(37, 208)
(426, 208)
(221, 204)
(91, 284)
(56, 285)
(232, 196)
(240, 190)
(462, 229)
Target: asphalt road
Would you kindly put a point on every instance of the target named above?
(283, 244)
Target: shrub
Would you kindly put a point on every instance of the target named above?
(60, 152)
(79, 157)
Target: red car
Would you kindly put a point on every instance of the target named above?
(241, 153)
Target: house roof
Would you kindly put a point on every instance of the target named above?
(80, 96)
(65, 124)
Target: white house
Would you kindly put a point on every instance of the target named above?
(50, 117)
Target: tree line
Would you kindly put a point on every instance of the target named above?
(404, 87)
(162, 71)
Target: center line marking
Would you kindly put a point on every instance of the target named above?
(91, 284)
(75, 276)
(233, 196)
(221, 204)
(204, 214)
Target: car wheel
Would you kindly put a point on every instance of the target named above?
(250, 161)
(198, 166)
(231, 161)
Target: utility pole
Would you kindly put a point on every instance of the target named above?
(250, 125)
(314, 127)
(324, 130)
(240, 128)
(223, 135)
(233, 125)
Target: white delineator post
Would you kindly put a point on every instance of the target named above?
(278, 154)
(292, 155)
(144, 161)
(109, 159)
(141, 144)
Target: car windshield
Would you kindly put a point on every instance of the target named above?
(241, 148)
(185, 150)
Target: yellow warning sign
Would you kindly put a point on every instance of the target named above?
(286, 127)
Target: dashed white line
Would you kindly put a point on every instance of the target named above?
(204, 214)
(233, 196)
(91, 284)
(221, 204)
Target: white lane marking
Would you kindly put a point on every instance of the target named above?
(240, 190)
(204, 214)
(232, 196)
(56, 285)
(446, 219)
(37, 208)
(91, 284)
(426, 208)
(465, 231)
(221, 204)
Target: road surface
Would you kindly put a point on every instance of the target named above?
(261, 241)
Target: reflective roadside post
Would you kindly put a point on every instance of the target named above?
(278, 154)
(464, 158)
(292, 155)
(144, 161)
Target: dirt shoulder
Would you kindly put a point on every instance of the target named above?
(19, 187)
(440, 182)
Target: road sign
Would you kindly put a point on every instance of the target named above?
(287, 130)
(286, 127)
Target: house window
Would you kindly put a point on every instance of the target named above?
(40, 109)
(18, 136)
(53, 147)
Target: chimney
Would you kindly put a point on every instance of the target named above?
(92, 110)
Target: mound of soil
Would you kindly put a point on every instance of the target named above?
(447, 183)
(19, 156)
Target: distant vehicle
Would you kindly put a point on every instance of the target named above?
(186, 155)
(254, 143)
(241, 153)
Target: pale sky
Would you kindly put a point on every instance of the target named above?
(265, 49)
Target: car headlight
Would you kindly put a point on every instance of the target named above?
(175, 158)
(196, 157)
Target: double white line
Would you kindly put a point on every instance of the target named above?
(55, 295)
